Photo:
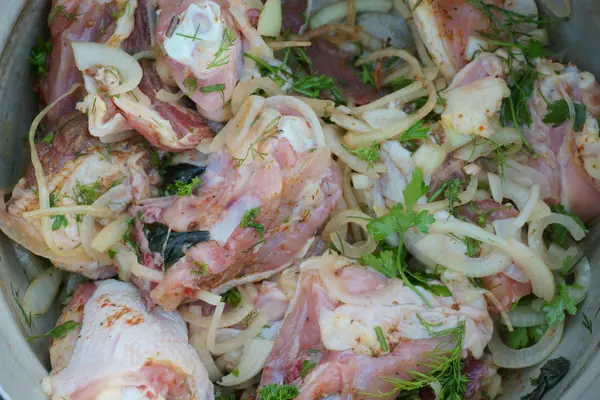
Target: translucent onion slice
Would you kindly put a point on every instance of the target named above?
(505, 357)
(231, 318)
(540, 275)
(349, 123)
(338, 223)
(520, 196)
(525, 213)
(169, 97)
(244, 89)
(437, 248)
(525, 317)
(496, 187)
(147, 274)
(88, 55)
(536, 241)
(333, 140)
(337, 11)
(464, 198)
(270, 20)
(583, 278)
(198, 341)
(109, 235)
(258, 322)
(41, 292)
(321, 107)
(256, 352)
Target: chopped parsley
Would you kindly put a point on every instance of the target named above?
(562, 303)
(417, 131)
(190, 85)
(366, 75)
(275, 391)
(87, 194)
(249, 221)
(183, 189)
(38, 57)
(558, 113)
(232, 297)
(199, 269)
(111, 253)
(369, 154)
(306, 367)
(235, 372)
(59, 221)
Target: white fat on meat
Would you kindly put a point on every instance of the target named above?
(123, 348)
(228, 222)
(470, 107)
(197, 37)
(297, 131)
(108, 128)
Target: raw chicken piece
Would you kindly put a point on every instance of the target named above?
(507, 290)
(79, 171)
(99, 21)
(122, 351)
(445, 27)
(202, 48)
(568, 159)
(332, 321)
(291, 186)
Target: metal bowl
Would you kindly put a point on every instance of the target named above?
(23, 365)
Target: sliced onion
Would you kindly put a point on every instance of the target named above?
(101, 212)
(338, 223)
(270, 20)
(525, 317)
(526, 176)
(464, 198)
(583, 278)
(540, 275)
(147, 274)
(110, 235)
(150, 54)
(88, 55)
(283, 103)
(198, 341)
(525, 213)
(349, 123)
(504, 315)
(436, 247)
(231, 318)
(505, 357)
(383, 102)
(277, 45)
(208, 297)
(361, 182)
(258, 322)
(520, 196)
(244, 89)
(536, 241)
(41, 292)
(256, 352)
(496, 187)
(321, 107)
(336, 11)
(333, 140)
(169, 97)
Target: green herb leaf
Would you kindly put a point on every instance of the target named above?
(58, 332)
(417, 131)
(182, 189)
(199, 269)
(561, 303)
(87, 194)
(401, 83)
(221, 58)
(38, 57)
(587, 323)
(190, 85)
(111, 253)
(235, 372)
(366, 75)
(306, 367)
(312, 86)
(275, 391)
(382, 342)
(385, 263)
(232, 297)
(517, 339)
(214, 88)
(248, 221)
(368, 154)
(415, 189)
(59, 221)
(558, 233)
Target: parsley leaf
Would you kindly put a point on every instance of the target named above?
(306, 367)
(38, 57)
(517, 339)
(275, 391)
(400, 83)
(180, 188)
(561, 303)
(366, 75)
(368, 154)
(248, 220)
(311, 86)
(59, 221)
(415, 189)
(558, 233)
(232, 297)
(385, 264)
(58, 332)
(558, 113)
(417, 131)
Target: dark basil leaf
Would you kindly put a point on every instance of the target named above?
(182, 172)
(177, 242)
(551, 373)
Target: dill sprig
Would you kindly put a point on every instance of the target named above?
(222, 55)
(445, 367)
